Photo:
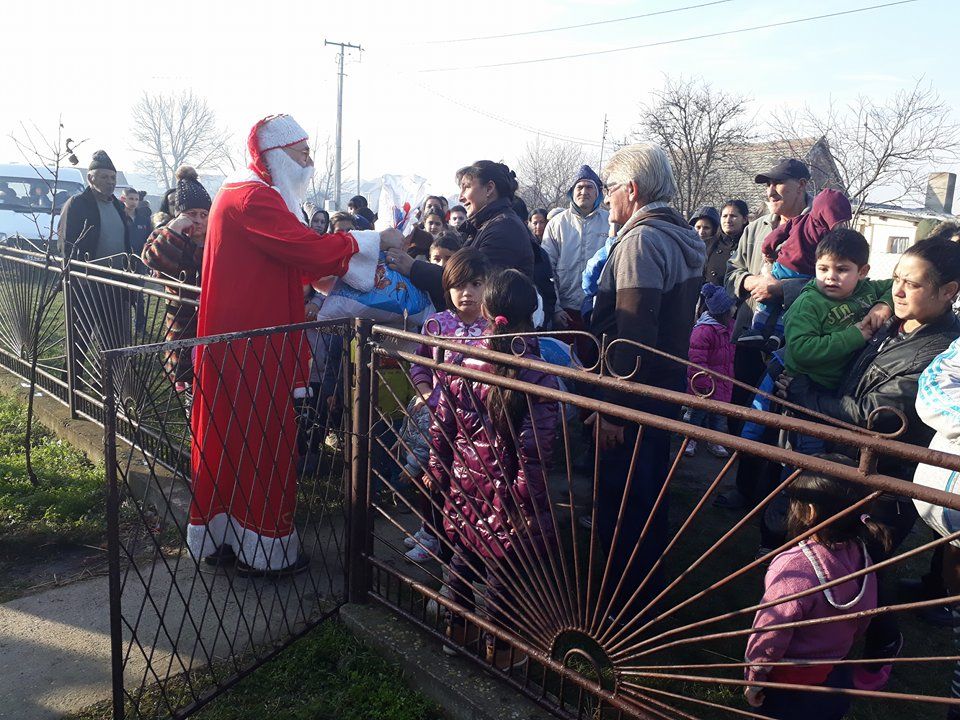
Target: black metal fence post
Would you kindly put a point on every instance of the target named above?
(69, 330)
(359, 378)
(113, 533)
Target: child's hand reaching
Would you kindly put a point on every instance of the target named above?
(754, 696)
(866, 328)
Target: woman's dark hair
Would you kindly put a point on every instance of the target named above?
(511, 295)
(520, 207)
(169, 203)
(464, 265)
(537, 211)
(740, 205)
(319, 211)
(484, 171)
(943, 257)
(947, 230)
(829, 496)
(447, 240)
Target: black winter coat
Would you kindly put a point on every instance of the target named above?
(498, 233)
(885, 374)
(79, 213)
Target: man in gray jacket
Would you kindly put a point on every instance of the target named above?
(787, 198)
(647, 294)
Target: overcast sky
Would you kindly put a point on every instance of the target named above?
(417, 105)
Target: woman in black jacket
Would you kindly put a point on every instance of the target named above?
(886, 374)
(487, 191)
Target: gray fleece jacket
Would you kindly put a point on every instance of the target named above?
(648, 293)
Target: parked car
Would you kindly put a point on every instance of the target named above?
(30, 201)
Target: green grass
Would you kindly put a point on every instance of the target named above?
(326, 674)
(68, 503)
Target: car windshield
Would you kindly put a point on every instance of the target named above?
(34, 194)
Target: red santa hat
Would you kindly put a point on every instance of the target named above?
(273, 131)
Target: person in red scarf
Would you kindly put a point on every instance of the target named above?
(258, 256)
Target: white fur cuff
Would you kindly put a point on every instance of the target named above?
(363, 265)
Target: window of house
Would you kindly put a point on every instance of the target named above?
(897, 245)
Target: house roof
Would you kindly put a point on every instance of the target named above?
(737, 180)
(914, 214)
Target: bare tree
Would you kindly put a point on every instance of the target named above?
(880, 147)
(322, 183)
(31, 325)
(170, 130)
(700, 128)
(544, 172)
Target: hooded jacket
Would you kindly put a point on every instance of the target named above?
(711, 347)
(647, 293)
(802, 567)
(571, 239)
(793, 244)
(495, 486)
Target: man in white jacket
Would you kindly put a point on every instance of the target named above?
(572, 238)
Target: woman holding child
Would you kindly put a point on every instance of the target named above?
(885, 374)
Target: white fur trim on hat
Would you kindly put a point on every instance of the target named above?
(281, 131)
(362, 269)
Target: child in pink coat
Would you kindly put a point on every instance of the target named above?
(805, 656)
(712, 348)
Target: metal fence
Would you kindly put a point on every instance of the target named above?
(65, 314)
(604, 583)
(601, 582)
(195, 603)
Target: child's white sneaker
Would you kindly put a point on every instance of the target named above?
(718, 450)
(411, 540)
(426, 550)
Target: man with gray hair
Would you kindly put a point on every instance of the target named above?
(647, 293)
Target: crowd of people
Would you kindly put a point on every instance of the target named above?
(782, 302)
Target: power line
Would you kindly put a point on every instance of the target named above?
(507, 121)
(667, 42)
(574, 27)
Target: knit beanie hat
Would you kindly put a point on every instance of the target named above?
(191, 195)
(718, 300)
(101, 161)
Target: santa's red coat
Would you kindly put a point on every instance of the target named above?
(256, 259)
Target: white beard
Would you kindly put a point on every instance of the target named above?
(289, 178)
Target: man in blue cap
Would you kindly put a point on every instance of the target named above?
(570, 239)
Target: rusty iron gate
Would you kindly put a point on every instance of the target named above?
(598, 598)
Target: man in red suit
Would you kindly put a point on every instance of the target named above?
(258, 256)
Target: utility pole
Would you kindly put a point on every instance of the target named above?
(343, 50)
(358, 167)
(603, 141)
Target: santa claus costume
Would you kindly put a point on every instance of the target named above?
(258, 256)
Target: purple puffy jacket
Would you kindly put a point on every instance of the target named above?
(711, 347)
(496, 492)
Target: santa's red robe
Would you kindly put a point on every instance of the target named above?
(257, 257)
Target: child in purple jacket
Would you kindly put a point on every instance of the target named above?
(489, 459)
(711, 347)
(464, 277)
(806, 655)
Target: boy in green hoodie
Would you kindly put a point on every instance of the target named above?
(825, 325)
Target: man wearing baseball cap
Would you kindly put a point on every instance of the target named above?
(787, 198)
